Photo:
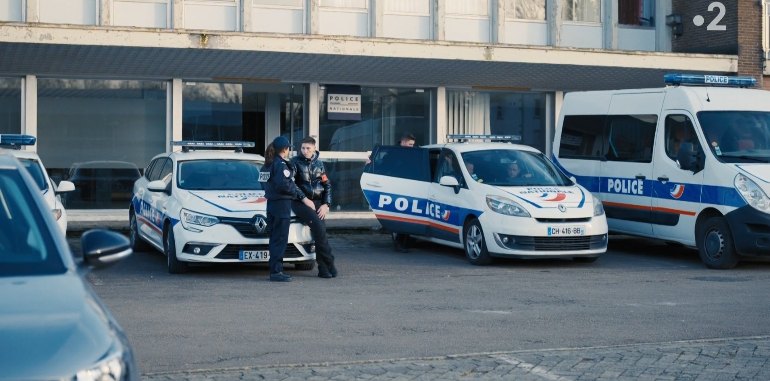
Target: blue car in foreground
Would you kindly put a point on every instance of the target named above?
(52, 324)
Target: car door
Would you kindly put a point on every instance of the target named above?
(448, 205)
(395, 184)
(150, 215)
(677, 191)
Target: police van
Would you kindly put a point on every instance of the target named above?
(492, 199)
(688, 163)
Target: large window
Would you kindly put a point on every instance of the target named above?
(636, 12)
(525, 9)
(10, 105)
(498, 113)
(98, 133)
(581, 10)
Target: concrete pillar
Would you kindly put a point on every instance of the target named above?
(29, 108)
(663, 34)
(105, 12)
(174, 113)
(177, 14)
(273, 116)
(32, 11)
(553, 18)
(441, 110)
(376, 11)
(439, 23)
(312, 9)
(246, 8)
(313, 111)
(610, 24)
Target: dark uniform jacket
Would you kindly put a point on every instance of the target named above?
(311, 178)
(280, 184)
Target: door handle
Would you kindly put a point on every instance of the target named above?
(374, 185)
(663, 178)
(641, 177)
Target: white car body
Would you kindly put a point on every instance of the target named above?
(240, 231)
(558, 220)
(47, 187)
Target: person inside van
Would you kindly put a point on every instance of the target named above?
(471, 167)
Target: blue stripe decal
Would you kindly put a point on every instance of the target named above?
(409, 206)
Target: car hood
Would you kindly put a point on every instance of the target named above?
(50, 326)
(548, 196)
(217, 202)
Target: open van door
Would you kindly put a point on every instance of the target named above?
(396, 185)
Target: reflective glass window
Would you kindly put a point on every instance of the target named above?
(97, 134)
(10, 105)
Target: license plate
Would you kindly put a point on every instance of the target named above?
(250, 255)
(566, 230)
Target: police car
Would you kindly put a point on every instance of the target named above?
(493, 199)
(203, 205)
(30, 160)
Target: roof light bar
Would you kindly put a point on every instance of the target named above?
(15, 141)
(507, 138)
(709, 80)
(203, 144)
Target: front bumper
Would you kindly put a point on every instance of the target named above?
(527, 237)
(751, 231)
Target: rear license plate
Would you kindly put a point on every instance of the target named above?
(251, 255)
(566, 230)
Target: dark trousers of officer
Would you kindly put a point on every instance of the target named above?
(278, 220)
(323, 252)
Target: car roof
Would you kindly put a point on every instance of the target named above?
(213, 154)
(469, 147)
(24, 154)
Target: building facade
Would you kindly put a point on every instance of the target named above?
(107, 84)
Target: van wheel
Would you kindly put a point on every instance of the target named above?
(137, 243)
(175, 266)
(715, 244)
(475, 246)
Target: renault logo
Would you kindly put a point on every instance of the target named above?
(260, 224)
(562, 208)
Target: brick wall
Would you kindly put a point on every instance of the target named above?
(698, 39)
(750, 55)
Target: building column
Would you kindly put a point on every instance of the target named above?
(174, 113)
(29, 108)
(439, 22)
(273, 116)
(441, 110)
(497, 21)
(376, 11)
(312, 9)
(751, 58)
(32, 11)
(105, 12)
(610, 24)
(313, 112)
(663, 33)
(553, 19)
(246, 8)
(177, 14)
(553, 102)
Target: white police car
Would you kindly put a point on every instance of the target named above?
(209, 206)
(35, 167)
(492, 199)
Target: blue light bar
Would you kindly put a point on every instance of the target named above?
(16, 140)
(212, 144)
(709, 80)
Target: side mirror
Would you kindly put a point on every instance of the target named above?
(688, 158)
(65, 186)
(450, 181)
(158, 186)
(102, 248)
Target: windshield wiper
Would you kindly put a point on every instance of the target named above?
(747, 157)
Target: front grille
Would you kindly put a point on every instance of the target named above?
(232, 251)
(246, 226)
(558, 243)
(562, 220)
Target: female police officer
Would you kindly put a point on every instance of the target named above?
(280, 190)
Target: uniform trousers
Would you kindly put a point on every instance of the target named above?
(278, 220)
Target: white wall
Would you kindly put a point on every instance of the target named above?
(82, 12)
(211, 14)
(581, 35)
(468, 20)
(289, 18)
(525, 33)
(344, 22)
(407, 19)
(11, 10)
(636, 39)
(141, 13)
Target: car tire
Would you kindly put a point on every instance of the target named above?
(304, 266)
(715, 244)
(137, 243)
(475, 245)
(175, 266)
(585, 259)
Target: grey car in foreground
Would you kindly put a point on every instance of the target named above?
(52, 324)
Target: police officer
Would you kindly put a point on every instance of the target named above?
(312, 180)
(280, 190)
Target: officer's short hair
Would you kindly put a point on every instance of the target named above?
(308, 140)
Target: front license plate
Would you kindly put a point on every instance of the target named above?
(566, 230)
(251, 255)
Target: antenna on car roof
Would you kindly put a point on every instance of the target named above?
(464, 138)
(188, 145)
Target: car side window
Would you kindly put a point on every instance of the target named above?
(679, 130)
(631, 137)
(447, 165)
(153, 168)
(403, 162)
(165, 172)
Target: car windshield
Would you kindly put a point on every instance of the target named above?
(509, 167)
(36, 170)
(219, 174)
(26, 246)
(737, 136)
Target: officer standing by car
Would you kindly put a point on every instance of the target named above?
(312, 180)
(280, 190)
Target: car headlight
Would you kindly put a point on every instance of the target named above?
(752, 193)
(506, 206)
(598, 207)
(190, 218)
(110, 368)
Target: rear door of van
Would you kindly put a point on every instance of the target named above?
(396, 185)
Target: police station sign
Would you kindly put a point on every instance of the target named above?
(343, 102)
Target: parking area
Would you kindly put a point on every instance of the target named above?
(645, 310)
